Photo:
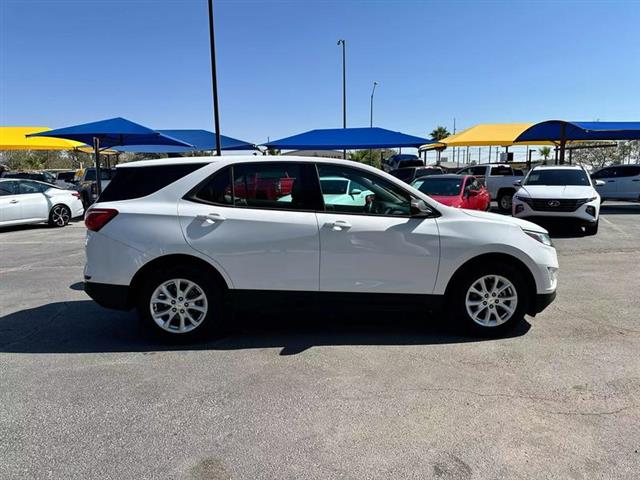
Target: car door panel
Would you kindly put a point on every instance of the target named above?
(275, 247)
(378, 254)
(258, 249)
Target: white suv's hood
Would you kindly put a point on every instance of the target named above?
(494, 217)
(560, 191)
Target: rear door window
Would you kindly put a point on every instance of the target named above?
(501, 170)
(8, 188)
(138, 182)
(264, 185)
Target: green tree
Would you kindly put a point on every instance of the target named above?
(439, 133)
(371, 157)
(544, 152)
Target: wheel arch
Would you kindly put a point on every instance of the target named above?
(492, 259)
(167, 261)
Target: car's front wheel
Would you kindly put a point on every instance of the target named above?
(59, 216)
(180, 303)
(489, 300)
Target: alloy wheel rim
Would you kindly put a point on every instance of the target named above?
(178, 305)
(506, 202)
(491, 300)
(60, 216)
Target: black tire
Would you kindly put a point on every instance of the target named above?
(504, 201)
(211, 322)
(463, 281)
(59, 216)
(591, 229)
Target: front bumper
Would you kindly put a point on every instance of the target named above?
(584, 215)
(540, 302)
(109, 296)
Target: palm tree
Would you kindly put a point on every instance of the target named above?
(439, 133)
(545, 152)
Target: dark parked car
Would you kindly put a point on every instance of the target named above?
(409, 174)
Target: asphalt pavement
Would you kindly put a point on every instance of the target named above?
(84, 393)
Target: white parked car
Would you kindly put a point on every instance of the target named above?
(620, 182)
(564, 192)
(180, 239)
(30, 201)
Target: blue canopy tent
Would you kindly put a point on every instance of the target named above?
(348, 138)
(111, 133)
(561, 131)
(199, 139)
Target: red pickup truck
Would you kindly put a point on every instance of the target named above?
(263, 187)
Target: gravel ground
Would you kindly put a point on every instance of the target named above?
(85, 394)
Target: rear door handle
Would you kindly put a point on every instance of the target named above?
(611, 181)
(340, 225)
(14, 201)
(636, 180)
(211, 217)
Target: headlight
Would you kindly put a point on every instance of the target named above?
(526, 200)
(541, 237)
(591, 199)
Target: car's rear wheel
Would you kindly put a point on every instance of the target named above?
(180, 303)
(489, 300)
(59, 216)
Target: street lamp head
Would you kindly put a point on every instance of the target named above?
(376, 83)
(340, 42)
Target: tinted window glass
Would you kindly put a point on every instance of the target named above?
(137, 182)
(275, 185)
(66, 176)
(557, 177)
(216, 190)
(439, 186)
(605, 173)
(404, 174)
(105, 174)
(478, 171)
(8, 188)
(628, 171)
(501, 171)
(373, 195)
(26, 186)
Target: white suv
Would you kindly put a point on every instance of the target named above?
(564, 192)
(181, 241)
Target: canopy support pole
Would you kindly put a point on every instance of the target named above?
(563, 141)
(214, 80)
(96, 152)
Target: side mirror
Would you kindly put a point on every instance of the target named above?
(355, 192)
(517, 183)
(600, 183)
(420, 209)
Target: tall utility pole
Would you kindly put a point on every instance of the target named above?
(214, 80)
(344, 87)
(375, 84)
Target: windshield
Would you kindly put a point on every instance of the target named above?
(557, 177)
(334, 187)
(445, 187)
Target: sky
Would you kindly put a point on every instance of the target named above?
(66, 62)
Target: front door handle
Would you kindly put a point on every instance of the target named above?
(340, 225)
(636, 180)
(14, 201)
(611, 181)
(211, 217)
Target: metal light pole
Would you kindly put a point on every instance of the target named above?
(375, 84)
(214, 80)
(344, 87)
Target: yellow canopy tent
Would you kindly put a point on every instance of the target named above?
(14, 138)
(485, 135)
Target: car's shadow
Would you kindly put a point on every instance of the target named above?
(84, 327)
(37, 226)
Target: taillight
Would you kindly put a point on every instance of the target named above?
(76, 194)
(97, 218)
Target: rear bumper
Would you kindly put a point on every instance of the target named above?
(109, 296)
(540, 302)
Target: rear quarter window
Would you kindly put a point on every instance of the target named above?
(138, 182)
